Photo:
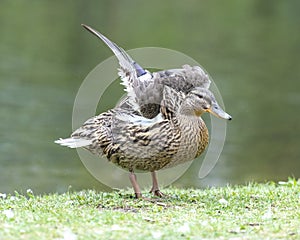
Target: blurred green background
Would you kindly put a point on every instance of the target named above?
(250, 48)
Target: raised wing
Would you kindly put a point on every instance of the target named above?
(145, 89)
(133, 76)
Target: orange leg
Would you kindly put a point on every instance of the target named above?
(135, 185)
(155, 189)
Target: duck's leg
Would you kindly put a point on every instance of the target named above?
(135, 185)
(155, 189)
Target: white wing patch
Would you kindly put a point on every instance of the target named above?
(139, 120)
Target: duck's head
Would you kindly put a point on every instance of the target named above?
(201, 100)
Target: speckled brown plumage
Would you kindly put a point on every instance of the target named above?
(172, 140)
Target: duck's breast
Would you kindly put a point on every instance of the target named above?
(194, 139)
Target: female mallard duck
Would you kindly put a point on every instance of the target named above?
(136, 136)
(176, 135)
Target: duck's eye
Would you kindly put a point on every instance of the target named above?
(200, 95)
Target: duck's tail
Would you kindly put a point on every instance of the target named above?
(74, 142)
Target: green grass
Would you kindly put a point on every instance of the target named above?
(255, 211)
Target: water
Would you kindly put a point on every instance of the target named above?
(250, 48)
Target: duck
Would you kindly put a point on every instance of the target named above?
(176, 135)
(155, 130)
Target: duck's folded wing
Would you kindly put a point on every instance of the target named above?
(148, 144)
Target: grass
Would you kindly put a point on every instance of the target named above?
(255, 211)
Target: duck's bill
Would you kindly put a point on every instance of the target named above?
(218, 112)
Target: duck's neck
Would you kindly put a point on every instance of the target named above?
(187, 110)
